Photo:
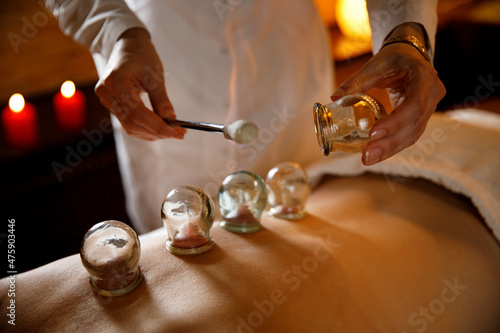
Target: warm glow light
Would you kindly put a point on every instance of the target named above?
(68, 89)
(352, 19)
(16, 102)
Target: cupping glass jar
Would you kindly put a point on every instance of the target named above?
(110, 252)
(345, 124)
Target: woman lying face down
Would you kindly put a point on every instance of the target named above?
(368, 257)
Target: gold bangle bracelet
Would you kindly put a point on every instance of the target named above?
(409, 39)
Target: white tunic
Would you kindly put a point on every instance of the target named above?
(264, 61)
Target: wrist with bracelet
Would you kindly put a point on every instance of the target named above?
(411, 40)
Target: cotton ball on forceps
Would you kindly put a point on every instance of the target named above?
(188, 214)
(289, 188)
(110, 252)
(241, 131)
(242, 199)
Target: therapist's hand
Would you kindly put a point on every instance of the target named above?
(134, 68)
(414, 89)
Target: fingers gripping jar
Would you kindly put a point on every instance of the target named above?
(345, 124)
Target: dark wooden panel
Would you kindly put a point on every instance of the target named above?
(35, 56)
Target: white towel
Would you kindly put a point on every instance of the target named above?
(459, 150)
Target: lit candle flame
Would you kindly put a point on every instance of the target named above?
(16, 102)
(68, 89)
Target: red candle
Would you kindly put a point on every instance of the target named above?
(69, 108)
(20, 123)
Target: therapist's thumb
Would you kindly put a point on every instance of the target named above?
(355, 84)
(361, 82)
(163, 108)
(160, 101)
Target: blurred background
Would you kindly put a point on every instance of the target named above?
(66, 178)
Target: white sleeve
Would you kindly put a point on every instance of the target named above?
(96, 24)
(386, 15)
